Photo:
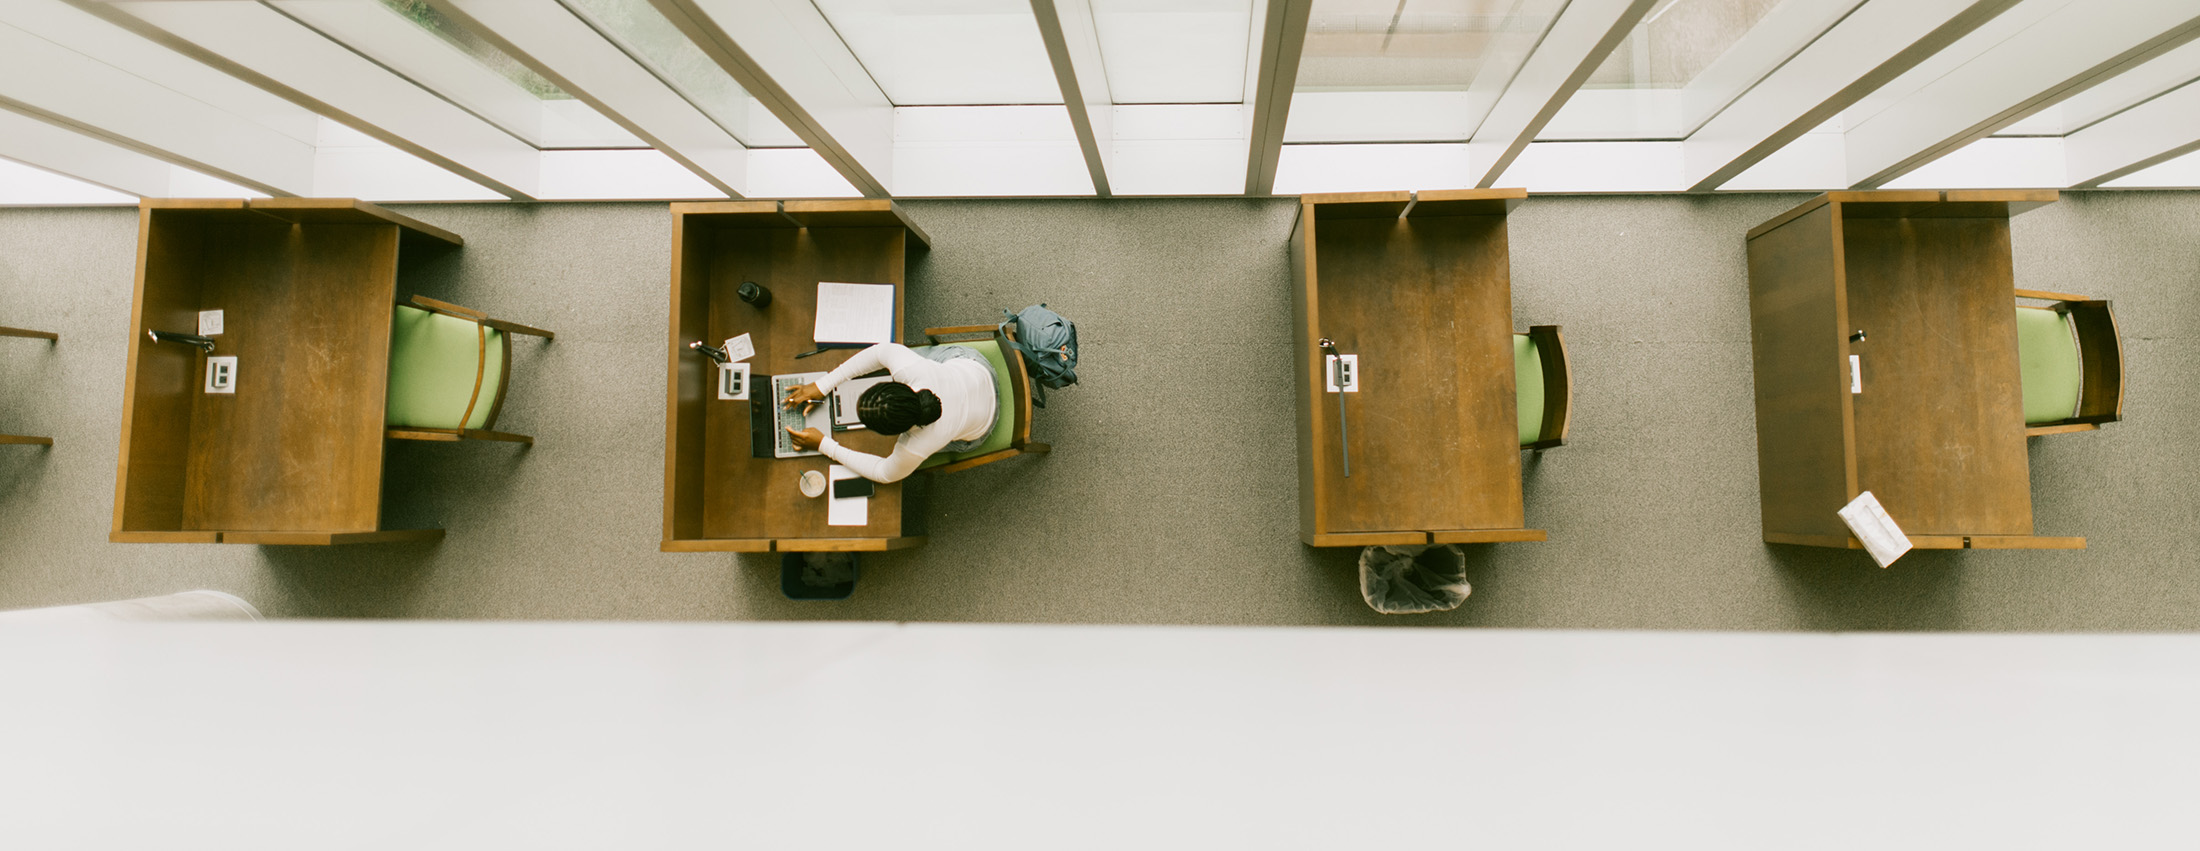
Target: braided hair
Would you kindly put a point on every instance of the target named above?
(890, 407)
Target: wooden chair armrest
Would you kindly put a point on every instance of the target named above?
(516, 328)
(2048, 296)
(445, 308)
(25, 332)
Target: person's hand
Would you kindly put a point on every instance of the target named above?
(806, 439)
(805, 395)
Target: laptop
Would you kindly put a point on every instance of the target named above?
(769, 420)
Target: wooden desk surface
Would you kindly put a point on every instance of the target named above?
(1937, 433)
(719, 497)
(295, 455)
(1425, 300)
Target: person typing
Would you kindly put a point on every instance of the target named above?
(939, 400)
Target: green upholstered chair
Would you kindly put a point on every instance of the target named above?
(448, 366)
(1012, 433)
(1544, 383)
(2072, 361)
(49, 337)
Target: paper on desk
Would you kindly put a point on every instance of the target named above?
(852, 511)
(854, 313)
(1869, 521)
(740, 348)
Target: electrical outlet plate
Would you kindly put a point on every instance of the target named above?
(221, 374)
(733, 382)
(210, 323)
(1351, 373)
(1856, 374)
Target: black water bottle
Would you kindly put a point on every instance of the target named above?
(755, 294)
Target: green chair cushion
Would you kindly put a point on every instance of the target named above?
(1004, 402)
(432, 363)
(1528, 379)
(2047, 353)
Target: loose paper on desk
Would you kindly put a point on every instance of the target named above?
(854, 313)
(851, 511)
(740, 348)
(1869, 521)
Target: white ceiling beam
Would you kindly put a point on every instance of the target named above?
(2138, 138)
(1279, 28)
(261, 46)
(555, 43)
(1573, 48)
(2064, 53)
(786, 55)
(1871, 47)
(61, 151)
(62, 86)
(1073, 46)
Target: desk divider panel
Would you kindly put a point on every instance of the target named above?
(1936, 432)
(1799, 324)
(1425, 301)
(306, 287)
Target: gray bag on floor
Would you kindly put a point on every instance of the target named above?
(1414, 579)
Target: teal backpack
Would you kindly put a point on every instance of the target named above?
(1048, 343)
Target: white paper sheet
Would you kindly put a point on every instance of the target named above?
(854, 313)
(853, 511)
(740, 348)
(1880, 536)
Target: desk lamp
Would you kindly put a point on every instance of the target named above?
(1344, 444)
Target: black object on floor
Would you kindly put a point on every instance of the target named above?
(817, 576)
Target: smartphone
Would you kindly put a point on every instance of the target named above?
(851, 488)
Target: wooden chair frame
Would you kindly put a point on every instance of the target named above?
(482, 324)
(2100, 361)
(1558, 386)
(1019, 384)
(50, 337)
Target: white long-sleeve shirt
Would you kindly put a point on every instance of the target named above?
(966, 392)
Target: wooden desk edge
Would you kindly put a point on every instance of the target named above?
(715, 545)
(846, 545)
(1365, 539)
(274, 205)
(1353, 197)
(2019, 200)
(120, 537)
(325, 539)
(795, 209)
(1937, 542)
(1487, 536)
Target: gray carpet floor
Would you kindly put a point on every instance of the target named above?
(1171, 495)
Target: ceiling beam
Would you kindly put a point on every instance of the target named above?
(2138, 138)
(1073, 46)
(553, 42)
(1870, 48)
(1280, 27)
(2060, 55)
(1576, 44)
(788, 57)
(33, 142)
(59, 85)
(261, 46)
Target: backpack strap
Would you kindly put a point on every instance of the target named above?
(1038, 389)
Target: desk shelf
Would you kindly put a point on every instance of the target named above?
(295, 456)
(1419, 286)
(718, 498)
